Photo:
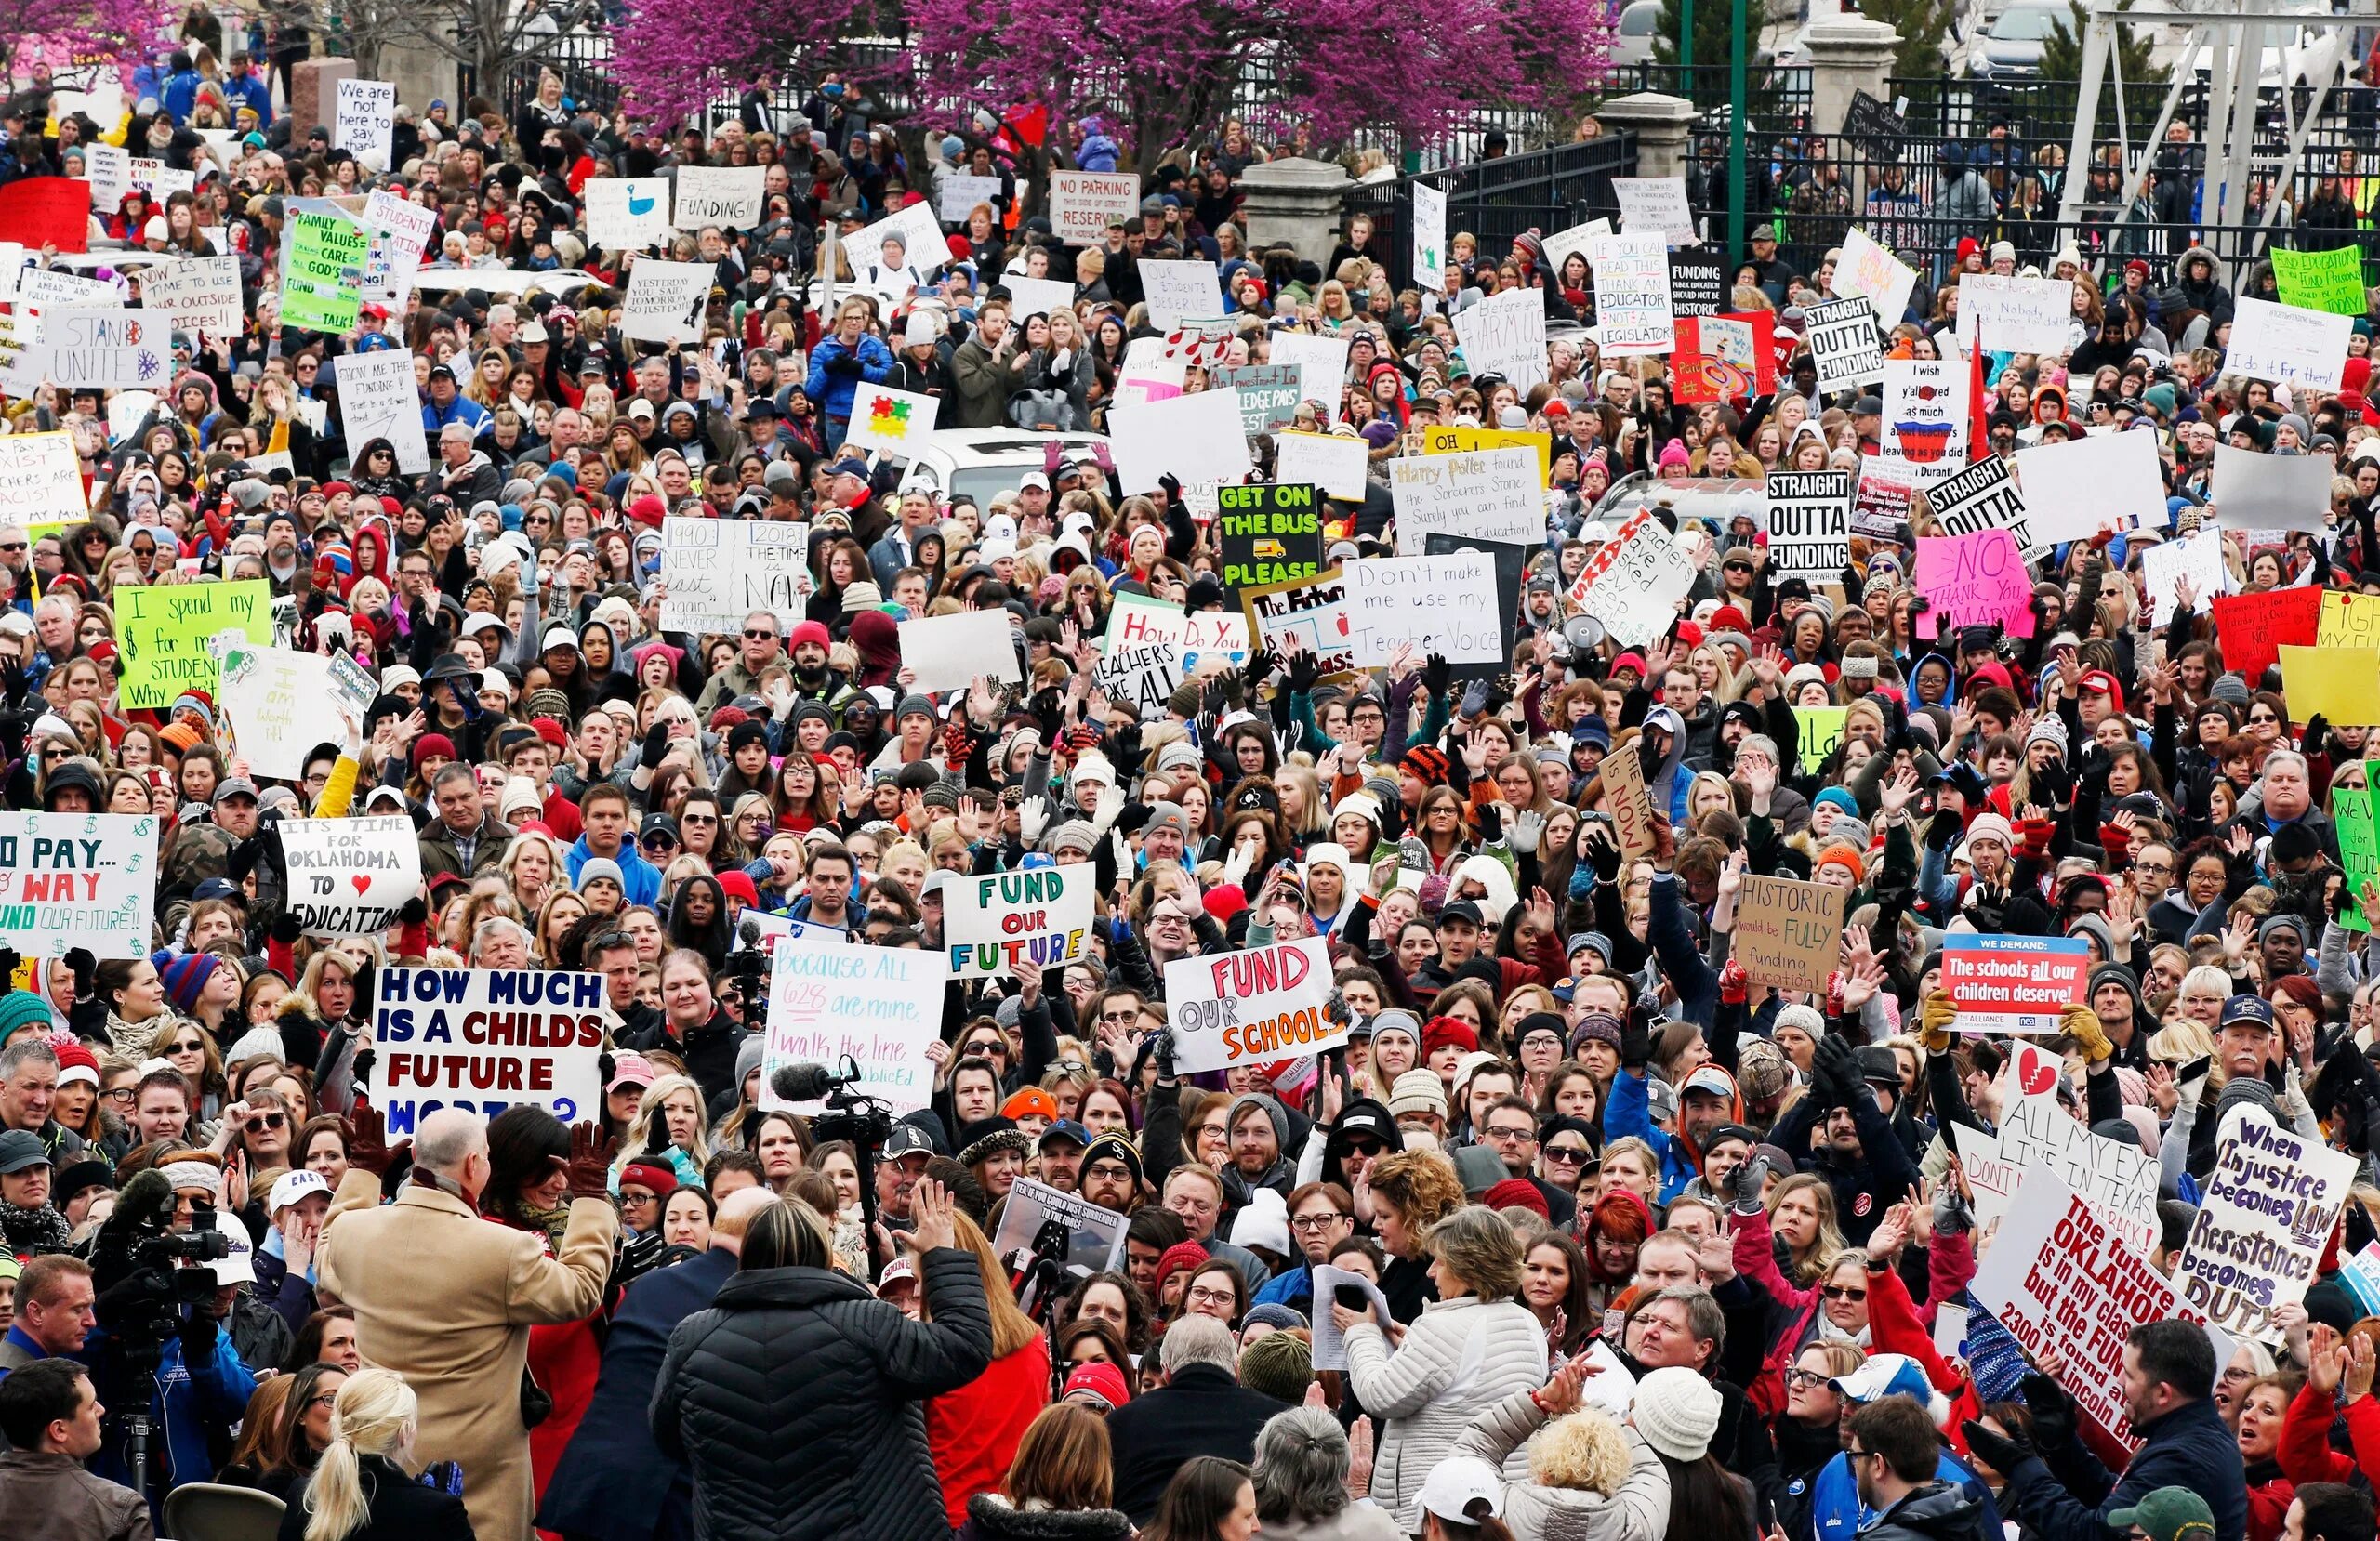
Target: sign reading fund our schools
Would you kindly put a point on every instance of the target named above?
(1252, 1007)
(487, 1039)
(77, 880)
(2014, 984)
(1010, 921)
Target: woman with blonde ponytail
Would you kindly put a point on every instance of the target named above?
(364, 1487)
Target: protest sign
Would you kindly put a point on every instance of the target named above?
(41, 479)
(1094, 1236)
(1457, 440)
(1313, 612)
(960, 192)
(1330, 1343)
(950, 651)
(1981, 497)
(1266, 534)
(1253, 1007)
(1632, 294)
(1336, 463)
(2252, 628)
(1867, 271)
(1181, 291)
(162, 633)
(271, 702)
(1151, 372)
(2014, 984)
(1036, 296)
(2067, 1283)
(2164, 568)
(365, 121)
(1879, 131)
(1843, 341)
(1879, 503)
(1081, 202)
(715, 572)
(2117, 1177)
(1976, 580)
(1926, 416)
(70, 880)
(1632, 585)
(322, 271)
(2330, 282)
(1195, 438)
(1809, 525)
(1510, 565)
(1719, 358)
(729, 196)
(1819, 732)
(2268, 492)
(2358, 833)
(1429, 238)
(625, 213)
(1505, 335)
(1204, 341)
(2088, 486)
(50, 289)
(1655, 205)
(1494, 495)
(198, 293)
(108, 168)
(1697, 283)
(108, 350)
(378, 399)
(1442, 605)
(1268, 394)
(2342, 684)
(2359, 1276)
(2283, 342)
(1140, 677)
(1630, 803)
(665, 300)
(922, 243)
(879, 1006)
(1135, 619)
(2348, 620)
(487, 1039)
(2265, 1216)
(350, 876)
(1006, 922)
(1789, 933)
(47, 211)
(2015, 315)
(1321, 363)
(398, 231)
(159, 181)
(894, 421)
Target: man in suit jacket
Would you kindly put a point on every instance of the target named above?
(446, 1299)
(1201, 1410)
(613, 1483)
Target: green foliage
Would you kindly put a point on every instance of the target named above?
(1921, 24)
(1712, 42)
(2144, 79)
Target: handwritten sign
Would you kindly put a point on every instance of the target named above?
(1008, 922)
(2331, 282)
(1504, 334)
(273, 701)
(1634, 584)
(1429, 237)
(41, 479)
(626, 213)
(1926, 416)
(162, 634)
(2015, 315)
(1268, 394)
(70, 880)
(1866, 270)
(879, 1005)
(2263, 1222)
(1181, 291)
(2283, 342)
(1657, 205)
(106, 350)
(322, 271)
(199, 293)
(1444, 605)
(1495, 494)
(1629, 803)
(1789, 933)
(2117, 1177)
(729, 196)
(1252, 1007)
(377, 399)
(1976, 580)
(1818, 732)
(365, 121)
(1632, 294)
(350, 876)
(487, 1039)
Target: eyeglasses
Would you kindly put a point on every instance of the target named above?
(326, 1400)
(1202, 1296)
(125, 1094)
(1845, 1292)
(1804, 1380)
(1509, 1136)
(1316, 1222)
(751, 636)
(628, 1198)
(270, 1121)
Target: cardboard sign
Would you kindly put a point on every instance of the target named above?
(1267, 534)
(949, 653)
(1268, 394)
(377, 399)
(1789, 933)
(41, 479)
(960, 192)
(2263, 1222)
(1878, 131)
(364, 121)
(666, 300)
(1843, 343)
(1723, 358)
(1495, 494)
(322, 271)
(1457, 440)
(1627, 801)
(1809, 525)
(2063, 1280)
(70, 880)
(1429, 238)
(1504, 334)
(2251, 491)
(729, 196)
(2096, 483)
(1314, 610)
(2342, 684)
(271, 701)
(487, 1039)
(1179, 291)
(1632, 294)
(1337, 463)
(1976, 580)
(2014, 983)
(1136, 619)
(1081, 202)
(1443, 605)
(2330, 282)
(894, 421)
(1655, 205)
(715, 572)
(1879, 503)
(879, 1005)
(626, 213)
(1697, 283)
(350, 876)
(1253, 1007)
(162, 634)
(2118, 1177)
(108, 350)
(1008, 922)
(2283, 342)
(1634, 584)
(1867, 271)
(2015, 315)
(198, 293)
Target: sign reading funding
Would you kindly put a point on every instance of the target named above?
(1809, 523)
(1252, 1007)
(162, 633)
(1789, 933)
(1267, 534)
(487, 1039)
(729, 196)
(70, 880)
(1697, 283)
(1842, 340)
(1007, 922)
(879, 1005)
(350, 876)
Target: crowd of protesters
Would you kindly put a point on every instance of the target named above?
(1659, 1250)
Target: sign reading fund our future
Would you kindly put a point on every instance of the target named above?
(1010, 921)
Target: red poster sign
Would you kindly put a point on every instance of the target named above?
(2254, 627)
(46, 211)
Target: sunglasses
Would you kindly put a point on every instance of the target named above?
(270, 1121)
(1845, 1292)
(751, 636)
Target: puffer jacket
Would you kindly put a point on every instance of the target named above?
(1636, 1510)
(1459, 1358)
(798, 1400)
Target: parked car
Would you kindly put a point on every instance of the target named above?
(2011, 47)
(979, 462)
(1639, 23)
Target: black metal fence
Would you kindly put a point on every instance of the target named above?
(1545, 190)
(1777, 97)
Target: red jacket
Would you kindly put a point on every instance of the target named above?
(2306, 1452)
(975, 1430)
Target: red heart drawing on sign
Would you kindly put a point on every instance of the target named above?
(361, 882)
(2036, 1074)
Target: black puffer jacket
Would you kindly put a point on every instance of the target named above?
(798, 1401)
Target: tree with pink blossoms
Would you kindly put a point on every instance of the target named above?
(1160, 73)
(69, 37)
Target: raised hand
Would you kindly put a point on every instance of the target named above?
(590, 1161)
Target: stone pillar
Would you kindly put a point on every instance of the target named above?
(1295, 201)
(1847, 53)
(313, 93)
(1662, 123)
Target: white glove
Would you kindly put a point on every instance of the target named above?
(1032, 818)
(1123, 850)
(1524, 830)
(1109, 807)
(1065, 357)
(1235, 865)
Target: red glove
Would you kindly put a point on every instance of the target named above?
(2116, 843)
(1734, 984)
(2036, 835)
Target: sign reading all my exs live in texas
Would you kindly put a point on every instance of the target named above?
(1268, 534)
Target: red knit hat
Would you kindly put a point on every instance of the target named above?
(1178, 1258)
(1517, 1190)
(1440, 1032)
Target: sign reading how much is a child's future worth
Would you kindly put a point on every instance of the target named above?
(487, 1039)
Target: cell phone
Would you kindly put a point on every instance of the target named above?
(2202, 1066)
(1352, 1296)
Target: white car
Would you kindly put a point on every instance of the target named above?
(2313, 55)
(978, 462)
(1631, 44)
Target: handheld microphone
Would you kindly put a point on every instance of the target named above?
(749, 932)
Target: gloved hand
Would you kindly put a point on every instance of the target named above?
(2082, 1024)
(1161, 1050)
(1306, 671)
(590, 1161)
(1750, 1182)
(1934, 1021)
(1636, 1042)
(656, 743)
(85, 970)
(1835, 1069)
(1524, 831)
(360, 1068)
(2055, 1418)
(285, 929)
(1437, 675)
(637, 1256)
(2002, 1453)
(141, 1295)
(1032, 818)
(413, 911)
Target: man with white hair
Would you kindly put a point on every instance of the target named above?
(500, 943)
(1201, 1410)
(447, 1301)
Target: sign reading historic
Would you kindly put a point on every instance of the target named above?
(1789, 933)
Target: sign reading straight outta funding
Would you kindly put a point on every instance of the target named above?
(1267, 534)
(1809, 523)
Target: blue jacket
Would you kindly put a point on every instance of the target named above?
(462, 409)
(196, 1406)
(639, 876)
(2189, 1447)
(181, 95)
(833, 390)
(1630, 1113)
(1836, 1513)
(1294, 1289)
(249, 91)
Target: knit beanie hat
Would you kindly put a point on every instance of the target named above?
(601, 866)
(1418, 1090)
(2246, 1090)
(1845, 857)
(1279, 1365)
(257, 1043)
(1180, 1258)
(1273, 1313)
(1677, 1412)
(21, 1008)
(1991, 826)
(184, 975)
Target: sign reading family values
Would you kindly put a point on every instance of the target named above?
(1267, 534)
(1252, 1007)
(72, 880)
(487, 1039)
(1009, 921)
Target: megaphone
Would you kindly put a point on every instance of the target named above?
(1584, 633)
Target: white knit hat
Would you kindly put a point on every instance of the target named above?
(1677, 1412)
(257, 1043)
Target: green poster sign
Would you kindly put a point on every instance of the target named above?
(2330, 282)
(322, 272)
(2351, 813)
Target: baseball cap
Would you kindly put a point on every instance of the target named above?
(1883, 1375)
(293, 1185)
(1458, 1482)
(1709, 1079)
(1065, 1128)
(2246, 1008)
(907, 1139)
(2167, 1514)
(20, 1149)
